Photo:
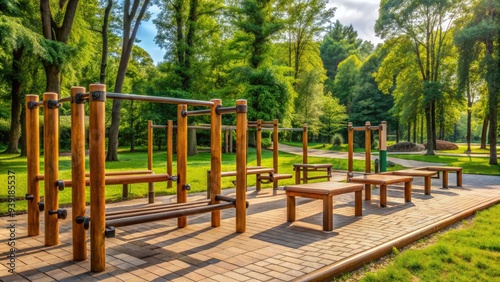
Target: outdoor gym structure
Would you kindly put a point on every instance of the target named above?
(103, 225)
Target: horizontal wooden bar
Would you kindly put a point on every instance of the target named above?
(157, 99)
(139, 212)
(372, 128)
(167, 215)
(109, 173)
(65, 99)
(197, 113)
(159, 126)
(127, 179)
(156, 207)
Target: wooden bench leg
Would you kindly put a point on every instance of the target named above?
(257, 182)
(445, 179)
(368, 192)
(329, 171)
(297, 175)
(408, 191)
(290, 208)
(427, 185)
(358, 203)
(328, 213)
(383, 195)
(459, 178)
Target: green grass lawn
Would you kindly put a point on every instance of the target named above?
(197, 173)
(471, 253)
(475, 149)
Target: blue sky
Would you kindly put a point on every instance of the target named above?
(362, 14)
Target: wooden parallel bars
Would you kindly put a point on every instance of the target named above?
(33, 163)
(215, 160)
(51, 167)
(258, 148)
(151, 187)
(170, 150)
(182, 151)
(78, 174)
(241, 166)
(97, 177)
(275, 151)
(382, 128)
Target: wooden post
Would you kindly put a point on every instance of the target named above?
(226, 141)
(97, 163)
(215, 160)
(230, 141)
(182, 135)
(350, 149)
(170, 151)
(305, 140)
(78, 172)
(258, 146)
(383, 146)
(51, 166)
(259, 142)
(241, 166)
(151, 185)
(275, 151)
(368, 146)
(33, 164)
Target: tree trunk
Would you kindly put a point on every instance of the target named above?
(430, 141)
(131, 126)
(415, 122)
(469, 125)
(422, 129)
(192, 142)
(23, 132)
(104, 57)
(53, 78)
(130, 27)
(409, 132)
(433, 124)
(15, 93)
(484, 131)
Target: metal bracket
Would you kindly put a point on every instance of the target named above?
(29, 197)
(186, 187)
(98, 96)
(32, 105)
(53, 104)
(184, 113)
(79, 98)
(241, 109)
(109, 232)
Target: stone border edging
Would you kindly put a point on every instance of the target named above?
(351, 263)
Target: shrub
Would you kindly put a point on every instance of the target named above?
(337, 140)
(4, 131)
(405, 147)
(375, 144)
(444, 145)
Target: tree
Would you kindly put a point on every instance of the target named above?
(483, 31)
(56, 28)
(426, 25)
(133, 13)
(306, 20)
(17, 37)
(339, 43)
(346, 80)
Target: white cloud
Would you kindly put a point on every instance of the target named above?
(362, 14)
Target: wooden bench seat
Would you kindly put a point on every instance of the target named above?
(382, 181)
(305, 168)
(416, 173)
(323, 191)
(445, 170)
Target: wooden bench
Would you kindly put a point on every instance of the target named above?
(383, 180)
(416, 173)
(251, 170)
(445, 170)
(323, 191)
(305, 168)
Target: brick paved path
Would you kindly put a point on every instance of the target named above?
(271, 249)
